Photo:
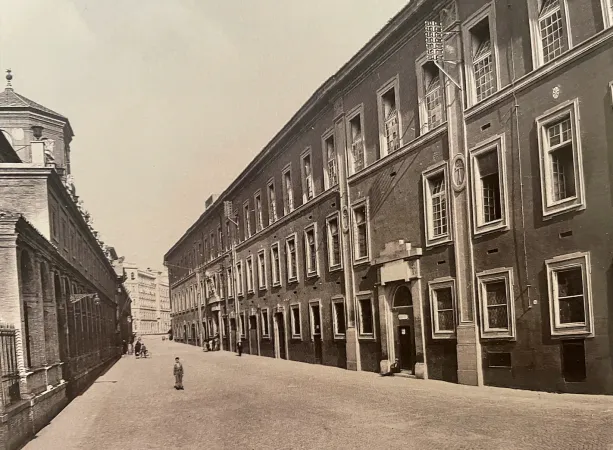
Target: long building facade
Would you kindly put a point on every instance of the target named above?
(60, 296)
(446, 208)
(150, 299)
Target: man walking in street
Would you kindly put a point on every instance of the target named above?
(178, 372)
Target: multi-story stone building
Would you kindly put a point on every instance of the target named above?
(58, 290)
(448, 209)
(150, 302)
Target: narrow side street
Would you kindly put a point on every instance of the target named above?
(261, 403)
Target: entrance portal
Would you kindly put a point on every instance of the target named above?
(404, 329)
(279, 330)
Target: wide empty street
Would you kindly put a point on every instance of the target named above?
(252, 402)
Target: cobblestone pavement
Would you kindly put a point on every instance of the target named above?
(261, 403)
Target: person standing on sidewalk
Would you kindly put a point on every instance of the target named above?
(178, 372)
(239, 348)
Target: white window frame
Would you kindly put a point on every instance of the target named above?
(312, 319)
(607, 12)
(296, 277)
(361, 297)
(220, 247)
(569, 261)
(358, 111)
(246, 220)
(434, 286)
(549, 206)
(329, 133)
(249, 278)
(338, 300)
(359, 204)
(307, 251)
(426, 176)
(242, 325)
(496, 143)
(265, 320)
(262, 276)
(273, 214)
(420, 70)
(276, 282)
(230, 282)
(259, 217)
(292, 307)
(395, 84)
(238, 270)
(535, 32)
(339, 265)
(483, 278)
(303, 176)
(288, 200)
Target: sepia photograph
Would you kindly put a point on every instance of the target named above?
(333, 224)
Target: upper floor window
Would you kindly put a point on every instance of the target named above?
(330, 157)
(239, 278)
(489, 186)
(389, 117)
(213, 246)
(262, 269)
(562, 183)
(481, 47)
(355, 134)
(431, 99)
(230, 282)
(250, 278)
(275, 264)
(308, 190)
(246, 219)
(220, 235)
(549, 28)
(288, 191)
(228, 235)
(361, 232)
(257, 201)
(607, 9)
(436, 205)
(272, 202)
(291, 253)
(310, 250)
(334, 242)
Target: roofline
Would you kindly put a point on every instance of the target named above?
(326, 89)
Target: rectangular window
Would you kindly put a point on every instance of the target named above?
(570, 296)
(389, 118)
(607, 9)
(495, 288)
(561, 162)
(367, 320)
(213, 246)
(431, 95)
(442, 307)
(262, 269)
(230, 282)
(334, 242)
(228, 236)
(436, 205)
(482, 60)
(264, 319)
(54, 229)
(295, 322)
(308, 190)
(275, 265)
(549, 29)
(355, 139)
(243, 320)
(257, 201)
(272, 202)
(331, 160)
(288, 191)
(338, 317)
(488, 186)
(315, 318)
(310, 250)
(291, 253)
(239, 278)
(249, 262)
(246, 220)
(360, 232)
(220, 247)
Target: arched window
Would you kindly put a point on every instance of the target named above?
(402, 297)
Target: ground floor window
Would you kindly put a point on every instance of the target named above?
(265, 329)
(366, 316)
(338, 317)
(495, 290)
(242, 325)
(442, 307)
(295, 321)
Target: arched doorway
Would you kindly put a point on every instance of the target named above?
(404, 328)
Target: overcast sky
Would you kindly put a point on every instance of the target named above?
(171, 99)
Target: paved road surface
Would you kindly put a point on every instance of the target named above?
(261, 403)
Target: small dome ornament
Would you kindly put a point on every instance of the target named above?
(9, 77)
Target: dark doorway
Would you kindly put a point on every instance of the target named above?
(233, 333)
(253, 335)
(316, 318)
(280, 335)
(406, 351)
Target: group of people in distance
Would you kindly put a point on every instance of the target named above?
(140, 349)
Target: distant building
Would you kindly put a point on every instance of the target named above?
(59, 292)
(448, 208)
(148, 290)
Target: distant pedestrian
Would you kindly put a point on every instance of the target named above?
(124, 347)
(137, 347)
(178, 373)
(239, 348)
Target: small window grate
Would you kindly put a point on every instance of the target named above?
(499, 359)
